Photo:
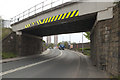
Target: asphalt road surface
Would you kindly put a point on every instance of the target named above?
(55, 64)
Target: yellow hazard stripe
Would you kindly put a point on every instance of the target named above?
(64, 15)
(42, 22)
(56, 18)
(27, 26)
(46, 20)
(73, 13)
(68, 14)
(38, 22)
(60, 17)
(33, 23)
(77, 13)
(49, 19)
(52, 18)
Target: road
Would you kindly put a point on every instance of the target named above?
(55, 64)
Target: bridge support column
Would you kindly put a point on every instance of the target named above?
(105, 43)
(18, 43)
(28, 44)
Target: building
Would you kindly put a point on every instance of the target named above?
(0, 21)
(56, 39)
(48, 39)
(4, 23)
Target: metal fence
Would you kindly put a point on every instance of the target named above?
(47, 4)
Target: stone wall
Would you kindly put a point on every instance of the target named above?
(105, 44)
(119, 37)
(28, 45)
(22, 45)
(9, 43)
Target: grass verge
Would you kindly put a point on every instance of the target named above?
(86, 51)
(115, 77)
(5, 32)
(8, 55)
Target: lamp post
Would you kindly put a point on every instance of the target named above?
(82, 43)
(70, 38)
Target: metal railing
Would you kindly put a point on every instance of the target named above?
(47, 4)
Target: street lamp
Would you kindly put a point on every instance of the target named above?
(69, 38)
(82, 43)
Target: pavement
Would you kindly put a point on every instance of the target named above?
(56, 64)
(19, 58)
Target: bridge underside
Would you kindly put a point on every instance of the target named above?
(71, 25)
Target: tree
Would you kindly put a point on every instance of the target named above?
(50, 45)
(87, 35)
(66, 44)
(59, 43)
(43, 43)
(73, 43)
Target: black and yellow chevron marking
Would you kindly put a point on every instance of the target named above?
(55, 18)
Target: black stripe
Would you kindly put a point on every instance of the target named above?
(51, 18)
(66, 14)
(70, 14)
(75, 13)
(58, 17)
(61, 16)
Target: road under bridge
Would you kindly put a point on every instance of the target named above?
(101, 19)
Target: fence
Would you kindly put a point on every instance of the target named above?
(47, 4)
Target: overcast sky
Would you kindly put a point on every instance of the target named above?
(11, 8)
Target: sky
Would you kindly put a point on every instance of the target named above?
(74, 37)
(11, 8)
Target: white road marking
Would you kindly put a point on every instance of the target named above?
(30, 65)
(45, 52)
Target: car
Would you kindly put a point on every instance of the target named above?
(61, 47)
